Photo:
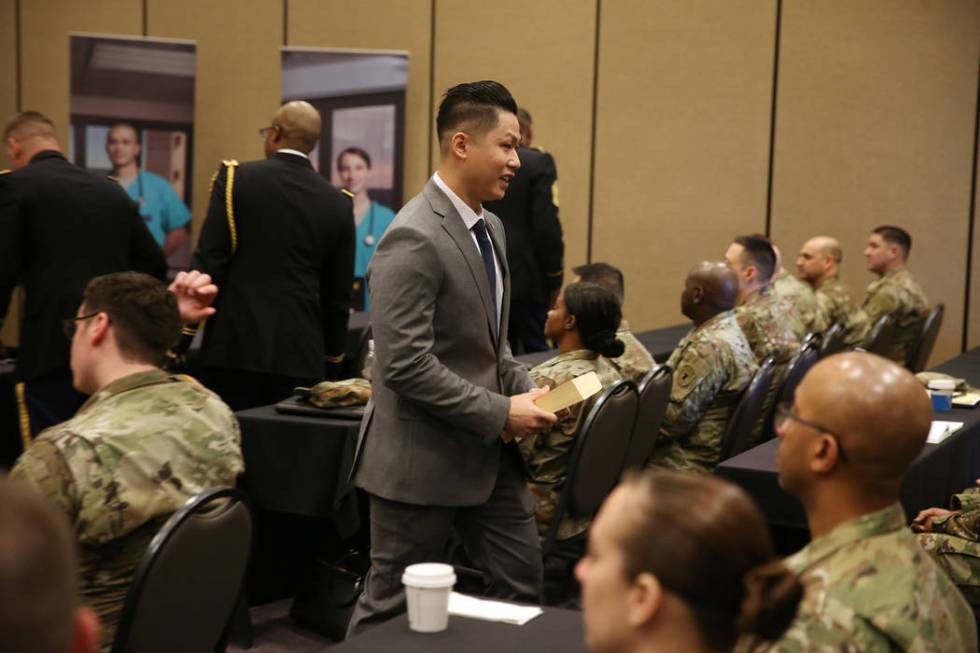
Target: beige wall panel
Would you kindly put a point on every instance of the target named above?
(875, 123)
(44, 28)
(682, 140)
(544, 52)
(8, 106)
(383, 25)
(237, 88)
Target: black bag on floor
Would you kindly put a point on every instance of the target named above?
(325, 601)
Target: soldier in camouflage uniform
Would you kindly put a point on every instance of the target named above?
(141, 446)
(712, 365)
(952, 538)
(868, 585)
(800, 296)
(636, 361)
(818, 264)
(768, 321)
(583, 324)
(895, 292)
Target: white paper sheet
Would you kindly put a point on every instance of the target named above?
(507, 613)
(941, 430)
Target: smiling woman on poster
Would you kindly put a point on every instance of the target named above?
(371, 218)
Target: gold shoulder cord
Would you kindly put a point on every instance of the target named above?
(229, 208)
(25, 420)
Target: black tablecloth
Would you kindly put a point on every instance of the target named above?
(659, 342)
(296, 465)
(940, 470)
(555, 631)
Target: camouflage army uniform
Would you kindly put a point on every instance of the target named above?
(835, 300)
(803, 300)
(954, 544)
(770, 326)
(636, 361)
(132, 455)
(898, 294)
(546, 454)
(712, 366)
(869, 586)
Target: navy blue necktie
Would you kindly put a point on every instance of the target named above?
(486, 252)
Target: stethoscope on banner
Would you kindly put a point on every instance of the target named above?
(369, 237)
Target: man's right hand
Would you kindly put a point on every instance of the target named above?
(525, 418)
(923, 521)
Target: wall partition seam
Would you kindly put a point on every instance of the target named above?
(18, 91)
(432, 78)
(595, 119)
(972, 217)
(285, 23)
(772, 116)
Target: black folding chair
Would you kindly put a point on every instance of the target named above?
(833, 340)
(185, 588)
(882, 336)
(807, 357)
(922, 349)
(748, 411)
(597, 459)
(654, 395)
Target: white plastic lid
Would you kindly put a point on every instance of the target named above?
(429, 574)
(942, 384)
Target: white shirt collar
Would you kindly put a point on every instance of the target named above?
(287, 150)
(470, 217)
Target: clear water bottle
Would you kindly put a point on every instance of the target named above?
(368, 360)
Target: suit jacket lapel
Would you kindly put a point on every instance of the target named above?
(453, 224)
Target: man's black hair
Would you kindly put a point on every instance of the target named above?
(473, 104)
(896, 236)
(759, 253)
(608, 276)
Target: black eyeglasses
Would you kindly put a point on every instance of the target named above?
(785, 412)
(71, 324)
(265, 130)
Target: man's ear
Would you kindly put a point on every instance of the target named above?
(99, 328)
(645, 598)
(697, 295)
(824, 454)
(459, 143)
(86, 631)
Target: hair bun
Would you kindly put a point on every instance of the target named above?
(772, 595)
(609, 345)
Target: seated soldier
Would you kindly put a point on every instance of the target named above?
(895, 292)
(38, 577)
(768, 321)
(681, 562)
(636, 361)
(819, 265)
(712, 365)
(799, 295)
(583, 323)
(141, 446)
(857, 423)
(952, 537)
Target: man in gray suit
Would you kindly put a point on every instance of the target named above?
(436, 451)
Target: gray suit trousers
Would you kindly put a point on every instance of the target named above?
(500, 537)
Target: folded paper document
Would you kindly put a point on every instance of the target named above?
(507, 613)
(941, 430)
(570, 393)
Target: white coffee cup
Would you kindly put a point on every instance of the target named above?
(427, 588)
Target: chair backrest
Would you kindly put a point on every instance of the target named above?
(922, 349)
(807, 358)
(654, 394)
(881, 336)
(598, 457)
(185, 588)
(748, 411)
(833, 340)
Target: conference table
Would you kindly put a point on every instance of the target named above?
(939, 471)
(554, 631)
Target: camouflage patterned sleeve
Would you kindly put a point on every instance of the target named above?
(698, 377)
(881, 302)
(44, 468)
(965, 524)
(966, 500)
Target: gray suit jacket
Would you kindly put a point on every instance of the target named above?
(442, 373)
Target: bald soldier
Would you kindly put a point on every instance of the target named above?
(769, 322)
(712, 365)
(799, 295)
(895, 292)
(283, 255)
(818, 264)
(857, 423)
